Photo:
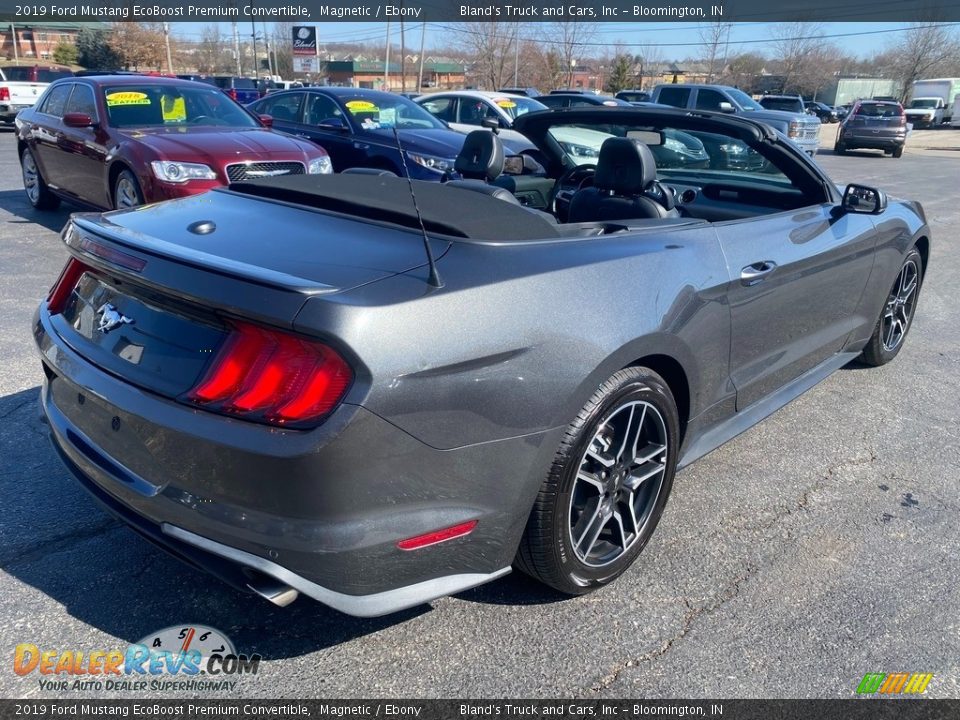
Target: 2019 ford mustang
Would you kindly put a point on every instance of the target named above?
(376, 391)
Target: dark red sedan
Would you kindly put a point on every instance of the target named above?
(117, 141)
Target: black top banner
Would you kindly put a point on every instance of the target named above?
(480, 10)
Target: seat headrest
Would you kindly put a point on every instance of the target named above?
(481, 157)
(625, 167)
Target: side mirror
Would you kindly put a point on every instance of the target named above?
(77, 120)
(266, 120)
(333, 123)
(491, 124)
(864, 200)
(727, 107)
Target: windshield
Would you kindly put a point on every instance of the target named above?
(389, 111)
(926, 103)
(676, 152)
(514, 107)
(744, 100)
(147, 105)
(878, 110)
(787, 104)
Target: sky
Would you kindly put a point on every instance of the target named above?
(676, 40)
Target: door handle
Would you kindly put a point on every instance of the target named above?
(757, 272)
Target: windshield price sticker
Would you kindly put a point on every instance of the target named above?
(127, 98)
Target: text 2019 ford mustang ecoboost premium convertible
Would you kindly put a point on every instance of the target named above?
(316, 385)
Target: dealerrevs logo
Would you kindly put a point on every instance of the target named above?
(181, 657)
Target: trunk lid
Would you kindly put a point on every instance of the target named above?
(265, 241)
(151, 294)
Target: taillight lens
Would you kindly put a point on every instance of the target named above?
(4, 92)
(271, 376)
(63, 287)
(232, 93)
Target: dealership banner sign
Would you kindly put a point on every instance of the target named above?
(304, 40)
(40, 709)
(305, 11)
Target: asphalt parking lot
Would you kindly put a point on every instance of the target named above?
(817, 547)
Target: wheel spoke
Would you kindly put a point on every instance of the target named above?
(591, 479)
(909, 290)
(636, 479)
(604, 460)
(624, 540)
(626, 432)
(649, 453)
(592, 531)
(889, 340)
(903, 280)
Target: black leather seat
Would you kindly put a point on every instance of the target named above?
(481, 157)
(625, 186)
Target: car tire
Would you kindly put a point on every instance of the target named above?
(34, 185)
(596, 510)
(839, 148)
(126, 191)
(897, 315)
(898, 152)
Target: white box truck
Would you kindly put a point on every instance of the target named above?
(955, 122)
(946, 89)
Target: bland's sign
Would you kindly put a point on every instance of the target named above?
(304, 40)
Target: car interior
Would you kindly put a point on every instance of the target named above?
(625, 185)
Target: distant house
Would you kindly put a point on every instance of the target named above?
(38, 40)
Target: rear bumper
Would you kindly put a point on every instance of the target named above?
(8, 111)
(872, 142)
(319, 511)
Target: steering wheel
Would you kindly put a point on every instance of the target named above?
(572, 180)
(199, 119)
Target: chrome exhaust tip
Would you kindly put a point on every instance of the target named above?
(276, 592)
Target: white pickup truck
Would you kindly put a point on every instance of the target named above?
(21, 86)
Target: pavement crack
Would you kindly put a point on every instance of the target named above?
(58, 543)
(690, 617)
(732, 590)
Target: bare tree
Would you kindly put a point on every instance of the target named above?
(569, 40)
(715, 37)
(491, 47)
(213, 51)
(139, 45)
(923, 50)
(743, 69)
(647, 63)
(792, 47)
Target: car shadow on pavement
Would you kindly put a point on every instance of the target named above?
(15, 202)
(60, 544)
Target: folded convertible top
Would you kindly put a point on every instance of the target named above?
(447, 210)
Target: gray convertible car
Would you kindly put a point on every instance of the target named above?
(376, 392)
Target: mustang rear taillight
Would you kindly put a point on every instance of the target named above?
(63, 287)
(271, 376)
(4, 92)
